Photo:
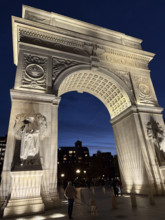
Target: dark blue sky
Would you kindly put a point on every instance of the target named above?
(82, 116)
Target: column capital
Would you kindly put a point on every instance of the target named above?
(34, 96)
(135, 110)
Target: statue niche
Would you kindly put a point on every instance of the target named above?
(28, 129)
(156, 134)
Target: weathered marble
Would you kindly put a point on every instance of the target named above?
(55, 54)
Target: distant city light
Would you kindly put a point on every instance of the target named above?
(78, 171)
(84, 171)
(62, 174)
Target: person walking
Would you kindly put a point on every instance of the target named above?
(120, 186)
(70, 193)
(115, 188)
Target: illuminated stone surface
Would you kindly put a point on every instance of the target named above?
(54, 55)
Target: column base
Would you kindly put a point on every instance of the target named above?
(51, 202)
(22, 207)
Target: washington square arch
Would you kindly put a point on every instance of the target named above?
(54, 55)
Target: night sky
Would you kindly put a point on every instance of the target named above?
(82, 116)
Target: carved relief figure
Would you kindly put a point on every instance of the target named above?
(28, 128)
(156, 133)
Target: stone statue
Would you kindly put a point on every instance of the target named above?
(162, 141)
(157, 134)
(28, 128)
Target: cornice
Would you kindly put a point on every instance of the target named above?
(87, 44)
(61, 21)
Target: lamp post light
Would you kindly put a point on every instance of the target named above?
(84, 171)
(78, 171)
(62, 175)
(62, 178)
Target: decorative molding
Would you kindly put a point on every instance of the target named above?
(59, 65)
(34, 17)
(55, 38)
(83, 48)
(143, 90)
(52, 41)
(122, 58)
(27, 95)
(93, 49)
(123, 75)
(130, 43)
(75, 28)
(34, 72)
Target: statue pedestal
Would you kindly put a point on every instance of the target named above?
(25, 194)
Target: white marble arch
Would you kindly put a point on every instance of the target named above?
(55, 54)
(125, 119)
(102, 83)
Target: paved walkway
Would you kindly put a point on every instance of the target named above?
(103, 200)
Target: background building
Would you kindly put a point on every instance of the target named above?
(102, 166)
(73, 154)
(75, 164)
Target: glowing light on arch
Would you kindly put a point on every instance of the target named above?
(100, 85)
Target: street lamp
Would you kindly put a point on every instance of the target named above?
(62, 174)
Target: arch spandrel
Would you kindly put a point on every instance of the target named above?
(105, 88)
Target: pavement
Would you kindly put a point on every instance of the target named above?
(107, 207)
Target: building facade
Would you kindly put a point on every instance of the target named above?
(2, 152)
(73, 162)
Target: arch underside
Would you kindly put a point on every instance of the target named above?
(100, 85)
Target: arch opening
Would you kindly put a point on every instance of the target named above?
(84, 117)
(102, 86)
